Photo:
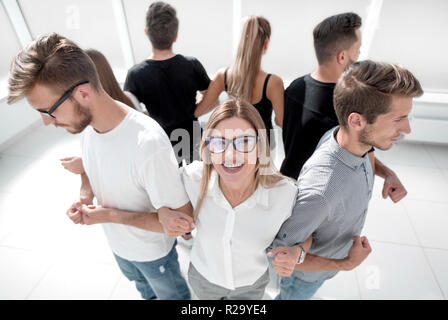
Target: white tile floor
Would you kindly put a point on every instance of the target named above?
(44, 256)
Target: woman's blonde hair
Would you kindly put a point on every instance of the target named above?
(265, 173)
(247, 63)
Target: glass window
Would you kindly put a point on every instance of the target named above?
(10, 47)
(90, 24)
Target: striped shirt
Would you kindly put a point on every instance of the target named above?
(335, 187)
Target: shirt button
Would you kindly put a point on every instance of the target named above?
(284, 235)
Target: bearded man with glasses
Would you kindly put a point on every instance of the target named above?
(127, 158)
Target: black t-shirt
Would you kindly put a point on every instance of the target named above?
(309, 113)
(168, 88)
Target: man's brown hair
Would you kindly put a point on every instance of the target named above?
(366, 87)
(334, 34)
(51, 60)
(162, 25)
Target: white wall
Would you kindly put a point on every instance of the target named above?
(291, 51)
(15, 120)
(413, 33)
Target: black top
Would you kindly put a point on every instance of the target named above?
(264, 106)
(168, 90)
(309, 113)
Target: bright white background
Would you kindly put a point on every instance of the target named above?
(44, 256)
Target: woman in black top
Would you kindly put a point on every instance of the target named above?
(246, 80)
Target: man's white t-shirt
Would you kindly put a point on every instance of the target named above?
(133, 168)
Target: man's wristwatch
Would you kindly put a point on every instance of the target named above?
(302, 253)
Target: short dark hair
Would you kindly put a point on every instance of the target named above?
(366, 87)
(52, 60)
(335, 33)
(162, 25)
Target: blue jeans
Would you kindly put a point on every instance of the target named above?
(292, 288)
(159, 278)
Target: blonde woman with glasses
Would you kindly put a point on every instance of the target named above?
(246, 80)
(240, 202)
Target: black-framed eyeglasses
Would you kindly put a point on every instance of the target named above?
(243, 144)
(62, 99)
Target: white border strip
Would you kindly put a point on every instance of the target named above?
(370, 26)
(123, 33)
(18, 22)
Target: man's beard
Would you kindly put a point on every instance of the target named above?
(364, 137)
(84, 117)
(366, 140)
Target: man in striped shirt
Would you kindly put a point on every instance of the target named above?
(372, 102)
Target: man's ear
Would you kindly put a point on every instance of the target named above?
(341, 57)
(356, 121)
(84, 92)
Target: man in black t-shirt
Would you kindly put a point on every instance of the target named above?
(309, 111)
(167, 83)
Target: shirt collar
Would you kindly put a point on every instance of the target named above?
(343, 155)
(260, 196)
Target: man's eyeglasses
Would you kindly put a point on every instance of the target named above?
(243, 144)
(62, 99)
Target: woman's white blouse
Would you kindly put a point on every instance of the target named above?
(230, 244)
